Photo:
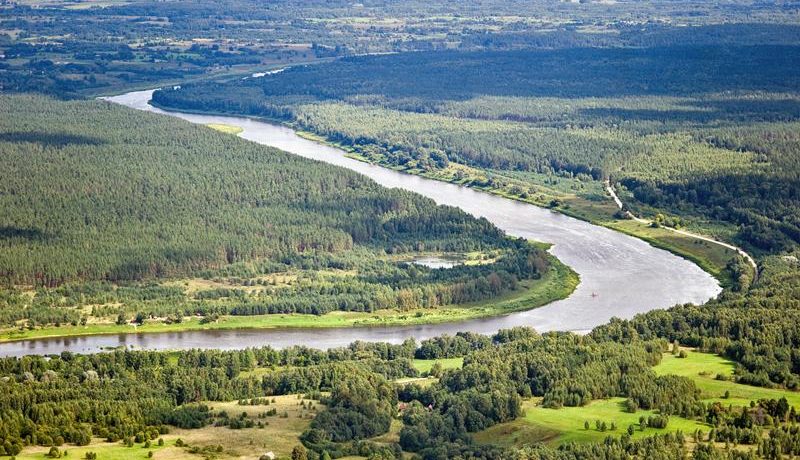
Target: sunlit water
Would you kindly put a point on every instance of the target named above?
(620, 275)
(436, 262)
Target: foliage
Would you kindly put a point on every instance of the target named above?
(107, 203)
(700, 131)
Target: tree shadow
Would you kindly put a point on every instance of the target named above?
(49, 139)
(703, 111)
(30, 234)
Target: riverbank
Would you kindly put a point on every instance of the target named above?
(707, 253)
(558, 283)
(750, 260)
(620, 276)
(710, 257)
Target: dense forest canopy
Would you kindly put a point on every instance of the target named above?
(702, 131)
(105, 207)
(70, 48)
(690, 109)
(144, 196)
(433, 78)
(136, 396)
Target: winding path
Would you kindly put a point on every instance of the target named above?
(740, 251)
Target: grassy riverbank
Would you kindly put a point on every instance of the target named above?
(592, 205)
(558, 283)
(220, 233)
(227, 129)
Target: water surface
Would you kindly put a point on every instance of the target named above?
(436, 262)
(620, 275)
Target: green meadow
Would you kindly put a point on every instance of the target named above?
(712, 374)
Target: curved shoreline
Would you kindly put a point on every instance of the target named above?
(621, 276)
(313, 137)
(611, 191)
(559, 284)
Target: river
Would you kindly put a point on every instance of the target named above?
(620, 275)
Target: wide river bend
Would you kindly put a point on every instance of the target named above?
(627, 275)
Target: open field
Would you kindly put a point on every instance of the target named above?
(279, 435)
(703, 368)
(561, 426)
(425, 365)
(114, 450)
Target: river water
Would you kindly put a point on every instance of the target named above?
(620, 275)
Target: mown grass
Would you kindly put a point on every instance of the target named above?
(704, 368)
(564, 425)
(558, 283)
(425, 365)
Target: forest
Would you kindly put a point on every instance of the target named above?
(116, 221)
(71, 48)
(117, 216)
(137, 397)
(702, 133)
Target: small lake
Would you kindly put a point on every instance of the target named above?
(620, 275)
(436, 262)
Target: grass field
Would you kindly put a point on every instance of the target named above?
(280, 436)
(560, 426)
(115, 451)
(557, 284)
(227, 129)
(703, 368)
(425, 365)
